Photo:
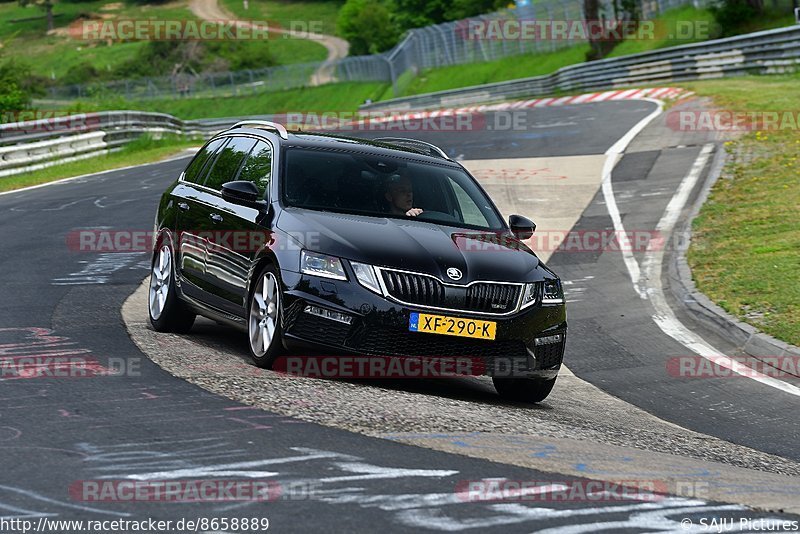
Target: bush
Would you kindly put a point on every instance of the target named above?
(80, 73)
(418, 13)
(368, 26)
(166, 58)
(14, 95)
(733, 14)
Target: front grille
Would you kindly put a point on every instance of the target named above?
(495, 298)
(414, 288)
(425, 290)
(549, 356)
(391, 342)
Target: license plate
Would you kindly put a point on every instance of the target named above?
(452, 326)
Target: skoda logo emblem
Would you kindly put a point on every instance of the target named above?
(454, 273)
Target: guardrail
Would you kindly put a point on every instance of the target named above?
(28, 145)
(32, 145)
(765, 52)
(435, 46)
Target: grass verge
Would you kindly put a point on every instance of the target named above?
(744, 252)
(509, 68)
(53, 55)
(674, 27)
(341, 97)
(290, 14)
(143, 150)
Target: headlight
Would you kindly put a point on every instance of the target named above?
(321, 265)
(553, 293)
(530, 295)
(366, 276)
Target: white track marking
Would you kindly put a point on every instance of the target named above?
(664, 317)
(612, 156)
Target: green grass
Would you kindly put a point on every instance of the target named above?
(343, 97)
(290, 14)
(744, 252)
(508, 68)
(51, 56)
(143, 150)
(675, 27)
(287, 51)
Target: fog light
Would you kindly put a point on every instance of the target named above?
(328, 314)
(548, 340)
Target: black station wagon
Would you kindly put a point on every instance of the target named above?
(380, 248)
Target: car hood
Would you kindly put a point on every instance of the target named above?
(414, 245)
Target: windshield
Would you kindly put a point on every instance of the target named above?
(383, 186)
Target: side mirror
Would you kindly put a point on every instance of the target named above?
(522, 227)
(240, 192)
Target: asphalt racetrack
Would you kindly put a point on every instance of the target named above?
(363, 456)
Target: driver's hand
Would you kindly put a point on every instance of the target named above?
(413, 212)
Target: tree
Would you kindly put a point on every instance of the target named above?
(733, 15)
(461, 9)
(13, 94)
(418, 13)
(367, 26)
(47, 5)
(591, 11)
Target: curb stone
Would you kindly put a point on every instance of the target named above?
(748, 338)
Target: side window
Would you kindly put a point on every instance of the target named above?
(470, 211)
(258, 167)
(227, 163)
(193, 171)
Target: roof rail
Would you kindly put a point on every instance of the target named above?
(432, 150)
(266, 125)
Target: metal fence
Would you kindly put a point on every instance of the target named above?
(766, 52)
(34, 144)
(435, 46)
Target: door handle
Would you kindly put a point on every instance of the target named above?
(216, 218)
(183, 206)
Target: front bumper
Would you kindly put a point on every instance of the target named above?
(379, 327)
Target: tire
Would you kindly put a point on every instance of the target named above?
(524, 389)
(264, 311)
(166, 310)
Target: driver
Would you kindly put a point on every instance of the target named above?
(400, 195)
